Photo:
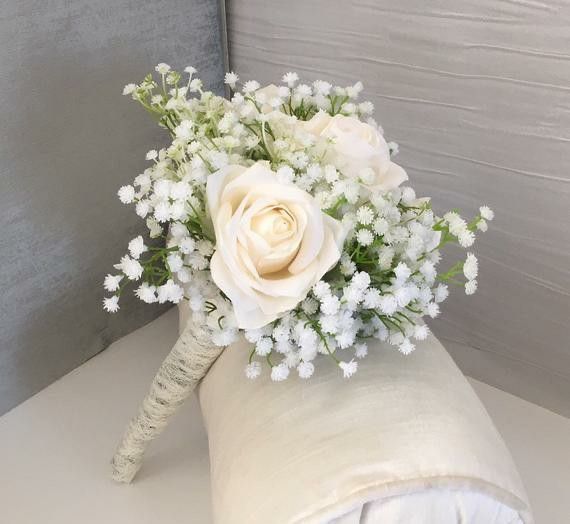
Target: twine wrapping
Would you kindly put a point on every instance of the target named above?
(186, 364)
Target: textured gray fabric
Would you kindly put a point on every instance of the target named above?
(476, 93)
(68, 140)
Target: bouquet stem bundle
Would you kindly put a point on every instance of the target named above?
(186, 364)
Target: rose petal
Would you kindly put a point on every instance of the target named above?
(394, 176)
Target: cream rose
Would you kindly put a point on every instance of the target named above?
(358, 150)
(273, 242)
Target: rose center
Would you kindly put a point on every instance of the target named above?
(278, 227)
(274, 224)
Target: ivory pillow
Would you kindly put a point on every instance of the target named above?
(406, 440)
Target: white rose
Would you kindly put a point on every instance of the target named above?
(273, 242)
(358, 150)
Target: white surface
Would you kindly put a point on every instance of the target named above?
(55, 448)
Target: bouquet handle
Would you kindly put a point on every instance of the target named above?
(187, 363)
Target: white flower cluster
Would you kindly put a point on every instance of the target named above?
(387, 278)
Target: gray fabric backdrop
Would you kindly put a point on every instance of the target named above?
(68, 140)
(477, 95)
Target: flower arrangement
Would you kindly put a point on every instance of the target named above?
(283, 217)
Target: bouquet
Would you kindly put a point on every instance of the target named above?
(282, 217)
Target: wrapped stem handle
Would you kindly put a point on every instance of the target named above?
(186, 364)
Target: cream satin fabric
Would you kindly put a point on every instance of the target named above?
(403, 428)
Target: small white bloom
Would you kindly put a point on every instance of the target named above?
(205, 247)
(155, 229)
(406, 347)
(432, 309)
(175, 262)
(305, 369)
(152, 154)
(364, 237)
(470, 267)
(231, 79)
(129, 89)
(360, 350)
(111, 282)
(345, 339)
(178, 230)
(365, 215)
(111, 304)
(402, 296)
(361, 280)
(250, 86)
(180, 190)
(347, 266)
(366, 108)
(196, 302)
(137, 247)
(470, 287)
(162, 212)
(146, 293)
(187, 245)
(143, 180)
(321, 87)
(130, 267)
(329, 324)
(402, 271)
(381, 226)
(321, 289)
(310, 306)
(482, 226)
(253, 370)
(466, 238)
(280, 332)
(197, 261)
(162, 68)
(264, 346)
(190, 70)
(184, 275)
(427, 269)
(353, 295)
(441, 293)
(184, 131)
(225, 337)
(303, 90)
(408, 195)
(253, 335)
(487, 213)
(330, 305)
(372, 298)
(284, 346)
(388, 305)
(195, 85)
(348, 368)
(126, 194)
(170, 292)
(456, 224)
(290, 78)
(385, 258)
(279, 373)
(421, 332)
